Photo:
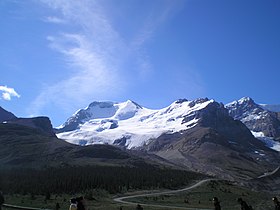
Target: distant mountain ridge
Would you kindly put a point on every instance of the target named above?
(269, 107)
(262, 122)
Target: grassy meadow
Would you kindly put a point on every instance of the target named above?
(198, 198)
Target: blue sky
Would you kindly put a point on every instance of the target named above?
(59, 55)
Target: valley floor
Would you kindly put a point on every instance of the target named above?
(197, 196)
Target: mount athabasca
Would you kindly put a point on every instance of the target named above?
(128, 124)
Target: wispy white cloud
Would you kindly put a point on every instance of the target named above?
(95, 53)
(89, 55)
(153, 21)
(53, 19)
(8, 93)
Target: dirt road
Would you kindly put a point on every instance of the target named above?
(121, 199)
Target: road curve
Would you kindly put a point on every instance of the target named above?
(9, 206)
(121, 199)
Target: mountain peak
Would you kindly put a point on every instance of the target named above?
(260, 121)
(136, 104)
(243, 100)
(241, 106)
(192, 102)
(246, 100)
(108, 104)
(101, 110)
(181, 100)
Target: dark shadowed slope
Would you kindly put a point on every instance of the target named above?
(217, 145)
(5, 115)
(23, 146)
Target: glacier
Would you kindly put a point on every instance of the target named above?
(127, 123)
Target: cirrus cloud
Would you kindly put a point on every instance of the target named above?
(102, 62)
(52, 19)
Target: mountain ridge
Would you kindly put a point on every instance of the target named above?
(261, 122)
(91, 124)
(218, 145)
(132, 125)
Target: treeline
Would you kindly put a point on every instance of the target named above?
(81, 179)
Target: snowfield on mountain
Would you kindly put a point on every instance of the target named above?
(128, 124)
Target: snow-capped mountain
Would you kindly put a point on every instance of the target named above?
(101, 110)
(128, 124)
(217, 145)
(199, 135)
(263, 123)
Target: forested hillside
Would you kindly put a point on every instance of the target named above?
(81, 179)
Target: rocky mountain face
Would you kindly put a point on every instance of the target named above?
(216, 118)
(5, 115)
(218, 145)
(263, 123)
